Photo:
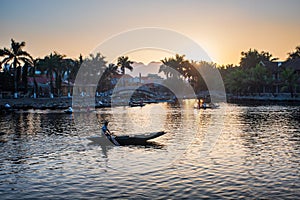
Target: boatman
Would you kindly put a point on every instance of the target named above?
(200, 103)
(108, 134)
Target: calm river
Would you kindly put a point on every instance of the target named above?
(232, 152)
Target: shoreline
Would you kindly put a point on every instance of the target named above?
(65, 102)
(38, 103)
(263, 99)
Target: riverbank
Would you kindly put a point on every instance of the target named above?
(65, 102)
(282, 98)
(38, 103)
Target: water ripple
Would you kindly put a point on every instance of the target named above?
(45, 155)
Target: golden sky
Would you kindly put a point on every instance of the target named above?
(222, 28)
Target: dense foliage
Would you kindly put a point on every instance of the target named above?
(253, 75)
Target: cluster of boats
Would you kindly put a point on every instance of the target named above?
(199, 105)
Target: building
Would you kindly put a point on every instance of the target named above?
(276, 68)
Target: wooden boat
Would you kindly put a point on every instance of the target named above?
(209, 106)
(136, 104)
(140, 139)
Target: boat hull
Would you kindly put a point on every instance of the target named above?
(141, 139)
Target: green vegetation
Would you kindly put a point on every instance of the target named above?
(290, 80)
(257, 73)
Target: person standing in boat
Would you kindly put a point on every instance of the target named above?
(200, 103)
(108, 134)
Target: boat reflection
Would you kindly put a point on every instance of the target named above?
(107, 145)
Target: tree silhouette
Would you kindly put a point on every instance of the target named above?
(295, 54)
(15, 56)
(251, 58)
(32, 71)
(289, 77)
(124, 63)
(53, 65)
(105, 81)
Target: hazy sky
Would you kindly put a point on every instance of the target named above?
(222, 28)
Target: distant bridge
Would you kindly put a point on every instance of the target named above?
(130, 90)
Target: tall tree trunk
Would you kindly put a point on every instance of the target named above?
(24, 78)
(15, 90)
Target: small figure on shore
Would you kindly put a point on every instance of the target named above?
(108, 134)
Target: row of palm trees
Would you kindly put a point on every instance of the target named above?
(189, 71)
(17, 64)
(250, 77)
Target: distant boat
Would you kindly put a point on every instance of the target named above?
(102, 104)
(207, 106)
(136, 104)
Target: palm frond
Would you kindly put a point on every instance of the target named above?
(6, 60)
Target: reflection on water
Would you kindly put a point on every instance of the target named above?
(45, 154)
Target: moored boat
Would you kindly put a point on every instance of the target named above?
(136, 104)
(213, 106)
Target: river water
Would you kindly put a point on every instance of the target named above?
(235, 151)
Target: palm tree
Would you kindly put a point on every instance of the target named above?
(75, 68)
(6, 79)
(259, 78)
(178, 64)
(32, 71)
(174, 66)
(165, 67)
(67, 69)
(91, 71)
(179, 68)
(111, 70)
(15, 56)
(104, 82)
(72, 70)
(251, 58)
(93, 66)
(295, 54)
(124, 63)
(25, 77)
(289, 78)
(236, 81)
(51, 65)
(194, 76)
